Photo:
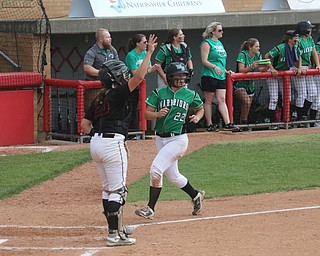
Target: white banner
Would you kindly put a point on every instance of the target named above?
(304, 4)
(141, 8)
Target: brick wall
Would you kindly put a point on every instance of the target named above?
(242, 5)
(57, 8)
(23, 49)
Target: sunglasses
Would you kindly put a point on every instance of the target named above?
(145, 42)
(220, 30)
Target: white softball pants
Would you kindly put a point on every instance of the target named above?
(316, 104)
(306, 89)
(275, 85)
(166, 161)
(110, 157)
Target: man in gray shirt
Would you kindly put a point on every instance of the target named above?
(100, 52)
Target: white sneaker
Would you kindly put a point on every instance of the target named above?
(119, 240)
(197, 202)
(146, 212)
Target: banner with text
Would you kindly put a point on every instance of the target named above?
(140, 8)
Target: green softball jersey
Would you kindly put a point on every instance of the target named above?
(178, 103)
(318, 47)
(306, 46)
(217, 56)
(247, 60)
(278, 53)
(134, 59)
(164, 55)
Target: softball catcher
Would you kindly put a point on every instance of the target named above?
(107, 121)
(169, 107)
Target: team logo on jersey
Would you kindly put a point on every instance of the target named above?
(174, 103)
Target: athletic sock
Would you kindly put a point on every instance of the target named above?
(272, 115)
(306, 106)
(313, 114)
(190, 190)
(299, 112)
(154, 194)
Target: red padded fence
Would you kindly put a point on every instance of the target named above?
(81, 86)
(285, 74)
(15, 80)
(17, 107)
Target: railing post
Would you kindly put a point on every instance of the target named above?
(229, 97)
(142, 99)
(286, 99)
(46, 107)
(80, 107)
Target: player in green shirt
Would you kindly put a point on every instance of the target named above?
(213, 75)
(244, 89)
(317, 80)
(174, 50)
(305, 86)
(284, 56)
(169, 106)
(137, 51)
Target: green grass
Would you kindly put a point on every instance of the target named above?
(19, 172)
(245, 167)
(221, 169)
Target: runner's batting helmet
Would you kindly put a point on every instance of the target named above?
(176, 68)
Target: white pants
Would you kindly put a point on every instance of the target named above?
(166, 161)
(305, 88)
(275, 86)
(316, 105)
(110, 157)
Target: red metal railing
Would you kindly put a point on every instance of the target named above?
(285, 74)
(81, 86)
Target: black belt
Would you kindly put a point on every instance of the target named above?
(167, 135)
(107, 135)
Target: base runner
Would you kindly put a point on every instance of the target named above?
(169, 106)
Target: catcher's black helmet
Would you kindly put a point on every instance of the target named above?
(303, 26)
(113, 71)
(175, 68)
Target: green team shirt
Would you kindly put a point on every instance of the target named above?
(164, 56)
(134, 59)
(246, 60)
(217, 56)
(306, 46)
(178, 103)
(318, 47)
(279, 52)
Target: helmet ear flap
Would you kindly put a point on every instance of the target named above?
(116, 70)
(105, 78)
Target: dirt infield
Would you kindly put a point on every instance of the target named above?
(63, 216)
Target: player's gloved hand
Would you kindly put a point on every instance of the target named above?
(191, 72)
